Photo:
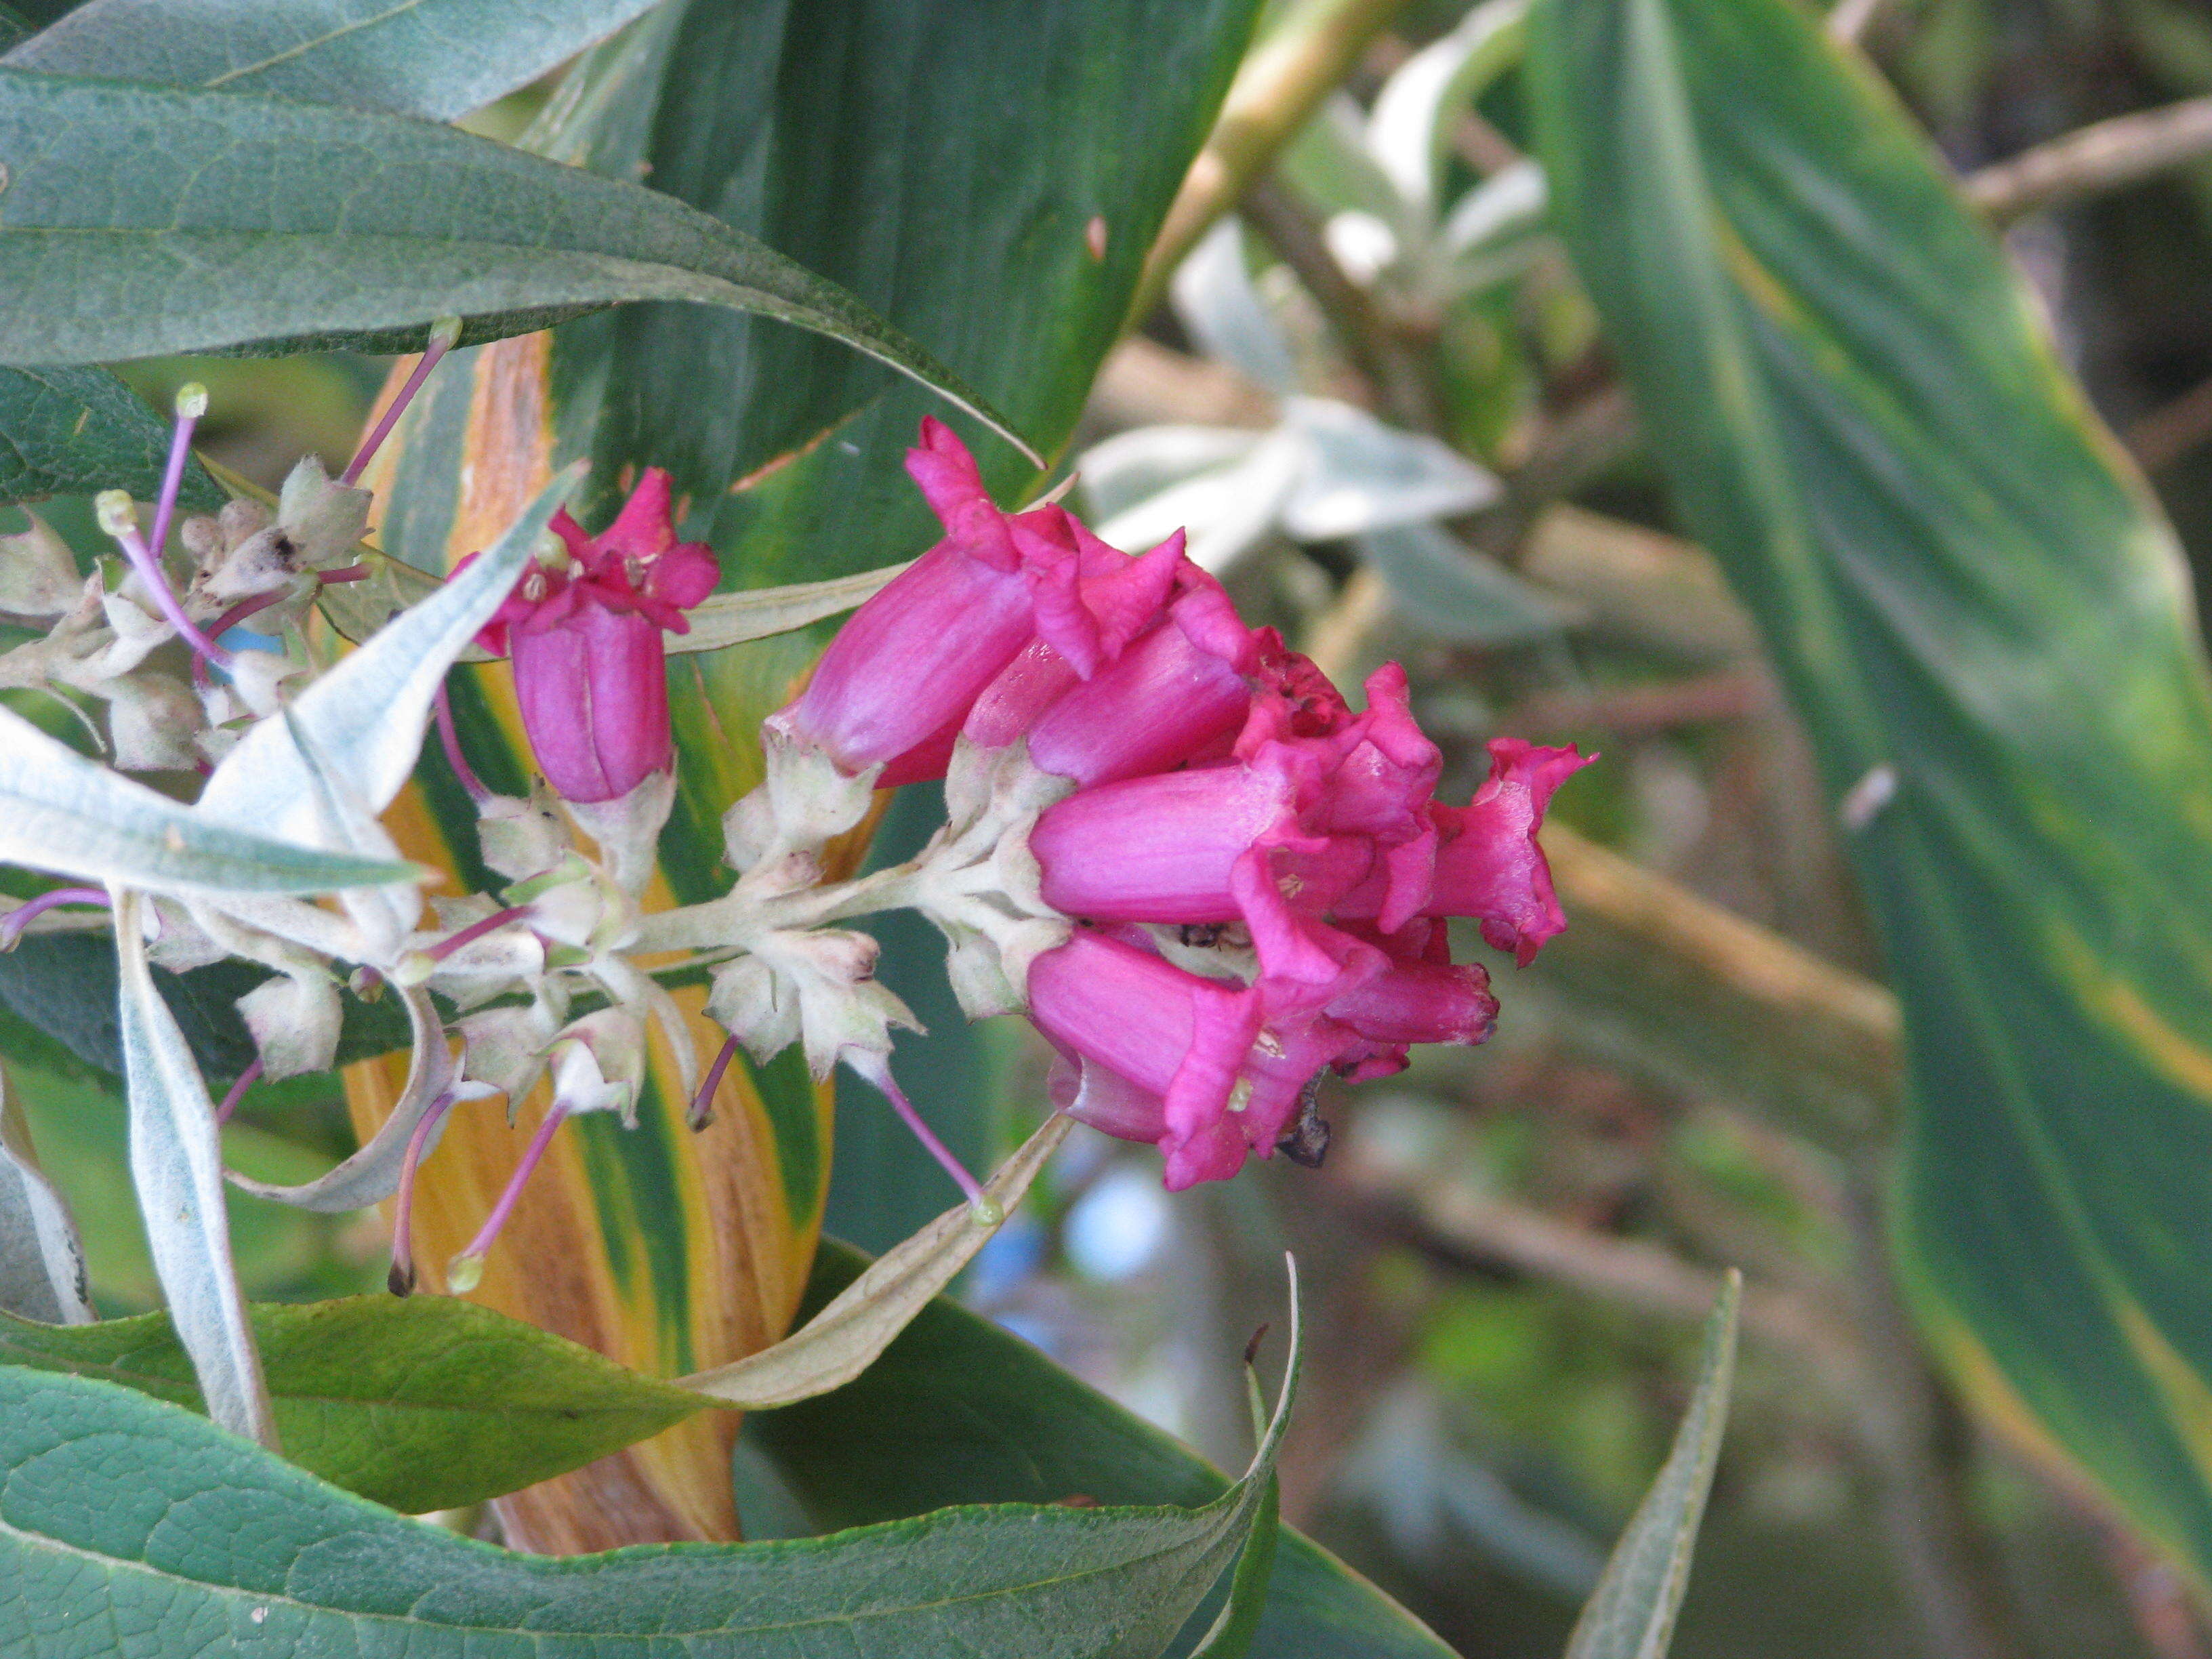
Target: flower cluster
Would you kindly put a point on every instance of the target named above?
(1206, 878)
(1255, 880)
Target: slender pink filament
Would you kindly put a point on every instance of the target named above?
(440, 344)
(351, 572)
(247, 1079)
(173, 479)
(402, 1279)
(171, 608)
(500, 1211)
(881, 1076)
(702, 1103)
(454, 758)
(13, 924)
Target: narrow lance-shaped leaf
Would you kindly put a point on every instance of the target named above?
(96, 1475)
(1410, 132)
(426, 1402)
(317, 226)
(1630, 1614)
(844, 1340)
(41, 1262)
(438, 58)
(70, 816)
(1237, 1625)
(372, 1173)
(357, 609)
(957, 1411)
(759, 613)
(176, 1165)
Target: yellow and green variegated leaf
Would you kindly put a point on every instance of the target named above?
(961, 164)
(1987, 626)
(670, 1251)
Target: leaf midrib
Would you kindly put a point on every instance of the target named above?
(177, 1391)
(306, 46)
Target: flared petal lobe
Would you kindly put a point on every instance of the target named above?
(1489, 863)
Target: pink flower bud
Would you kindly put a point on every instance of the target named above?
(1202, 1068)
(590, 664)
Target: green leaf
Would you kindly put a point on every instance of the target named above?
(77, 431)
(379, 225)
(1237, 1625)
(176, 1168)
(63, 985)
(1446, 590)
(127, 1517)
(438, 58)
(994, 143)
(1631, 1614)
(420, 1403)
(959, 1411)
(1961, 581)
(70, 816)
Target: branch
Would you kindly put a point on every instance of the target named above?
(1875, 1373)
(1397, 373)
(1447, 1214)
(1278, 86)
(2106, 156)
(2171, 430)
(1673, 988)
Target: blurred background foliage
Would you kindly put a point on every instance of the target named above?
(1378, 397)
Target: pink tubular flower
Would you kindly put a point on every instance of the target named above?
(899, 678)
(1200, 1066)
(1274, 838)
(590, 665)
(1423, 996)
(1165, 693)
(1318, 832)
(1223, 787)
